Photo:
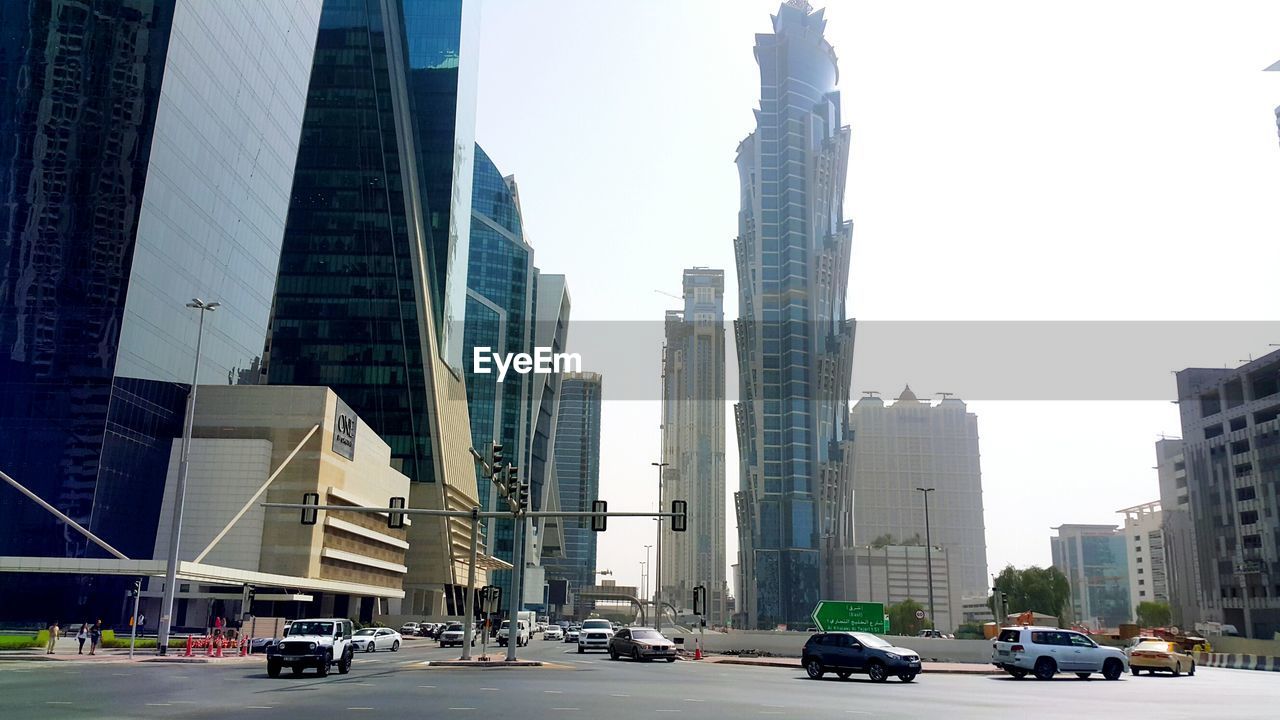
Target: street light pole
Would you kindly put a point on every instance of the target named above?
(180, 490)
(928, 554)
(657, 581)
(645, 593)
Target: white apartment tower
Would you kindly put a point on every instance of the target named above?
(693, 427)
(915, 444)
(1144, 541)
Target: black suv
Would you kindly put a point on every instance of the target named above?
(850, 652)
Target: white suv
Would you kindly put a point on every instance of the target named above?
(594, 635)
(313, 643)
(1045, 651)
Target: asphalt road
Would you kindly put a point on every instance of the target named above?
(592, 686)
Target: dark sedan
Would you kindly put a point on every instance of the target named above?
(846, 653)
(641, 644)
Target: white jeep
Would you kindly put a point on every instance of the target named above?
(318, 644)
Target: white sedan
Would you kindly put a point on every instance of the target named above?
(553, 632)
(372, 639)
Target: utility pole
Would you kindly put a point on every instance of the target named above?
(657, 581)
(928, 554)
(180, 490)
(468, 624)
(645, 577)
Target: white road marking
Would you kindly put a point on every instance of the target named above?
(666, 711)
(553, 692)
(57, 702)
(258, 707)
(462, 708)
(360, 708)
(618, 695)
(433, 687)
(559, 708)
(494, 689)
(159, 704)
(693, 700)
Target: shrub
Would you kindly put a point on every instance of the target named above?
(22, 642)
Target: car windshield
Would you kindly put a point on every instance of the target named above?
(646, 634)
(597, 625)
(455, 626)
(1152, 646)
(366, 631)
(870, 640)
(311, 628)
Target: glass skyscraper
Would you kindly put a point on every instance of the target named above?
(146, 156)
(577, 469)
(794, 342)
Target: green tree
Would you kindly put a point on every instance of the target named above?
(903, 620)
(1154, 614)
(1043, 590)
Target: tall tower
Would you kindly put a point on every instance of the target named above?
(693, 403)
(794, 342)
(577, 468)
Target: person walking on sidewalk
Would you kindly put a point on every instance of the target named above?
(95, 636)
(55, 631)
(82, 636)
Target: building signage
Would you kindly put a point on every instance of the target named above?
(344, 431)
(837, 616)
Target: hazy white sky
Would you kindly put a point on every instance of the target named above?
(1081, 160)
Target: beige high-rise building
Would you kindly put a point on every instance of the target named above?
(914, 444)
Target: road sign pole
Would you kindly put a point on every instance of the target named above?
(468, 626)
(517, 573)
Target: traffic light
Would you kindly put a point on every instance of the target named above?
(700, 600)
(250, 593)
(502, 481)
(522, 497)
(495, 457)
(599, 521)
(395, 520)
(137, 588)
(680, 521)
(309, 515)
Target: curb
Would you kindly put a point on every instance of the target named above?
(486, 663)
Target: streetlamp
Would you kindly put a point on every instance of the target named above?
(657, 580)
(180, 491)
(646, 571)
(928, 553)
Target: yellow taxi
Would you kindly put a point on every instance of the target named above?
(1153, 655)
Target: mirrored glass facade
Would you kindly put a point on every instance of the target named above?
(794, 342)
(577, 469)
(147, 150)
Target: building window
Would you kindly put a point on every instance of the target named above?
(1249, 517)
(1142, 593)
(1142, 582)
(1139, 571)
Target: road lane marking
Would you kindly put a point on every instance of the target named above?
(433, 687)
(618, 695)
(693, 700)
(553, 692)
(360, 708)
(666, 711)
(159, 704)
(259, 707)
(462, 708)
(57, 702)
(559, 708)
(494, 689)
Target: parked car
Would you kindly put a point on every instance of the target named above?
(553, 632)
(1045, 652)
(641, 643)
(453, 634)
(571, 635)
(317, 643)
(373, 639)
(930, 634)
(409, 628)
(850, 652)
(1162, 655)
(260, 644)
(594, 635)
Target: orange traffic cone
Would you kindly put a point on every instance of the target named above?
(697, 650)
(188, 646)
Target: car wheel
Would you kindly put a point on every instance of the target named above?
(1192, 671)
(1177, 669)
(635, 654)
(671, 659)
(877, 672)
(613, 653)
(323, 670)
(1045, 668)
(344, 666)
(1135, 671)
(1083, 676)
(395, 646)
(273, 668)
(907, 677)
(814, 669)
(1113, 669)
(843, 674)
(1017, 673)
(370, 647)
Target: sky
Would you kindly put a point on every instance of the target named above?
(1047, 161)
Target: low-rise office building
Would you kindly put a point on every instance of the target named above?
(890, 574)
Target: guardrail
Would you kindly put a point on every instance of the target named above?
(1238, 661)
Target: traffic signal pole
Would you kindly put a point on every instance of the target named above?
(517, 578)
(133, 624)
(468, 627)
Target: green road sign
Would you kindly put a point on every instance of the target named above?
(840, 616)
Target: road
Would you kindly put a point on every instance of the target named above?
(591, 686)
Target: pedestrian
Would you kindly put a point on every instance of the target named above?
(81, 636)
(95, 636)
(142, 621)
(55, 631)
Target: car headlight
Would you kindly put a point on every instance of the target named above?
(313, 646)
(893, 656)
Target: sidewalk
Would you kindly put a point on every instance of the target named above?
(794, 664)
(67, 651)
